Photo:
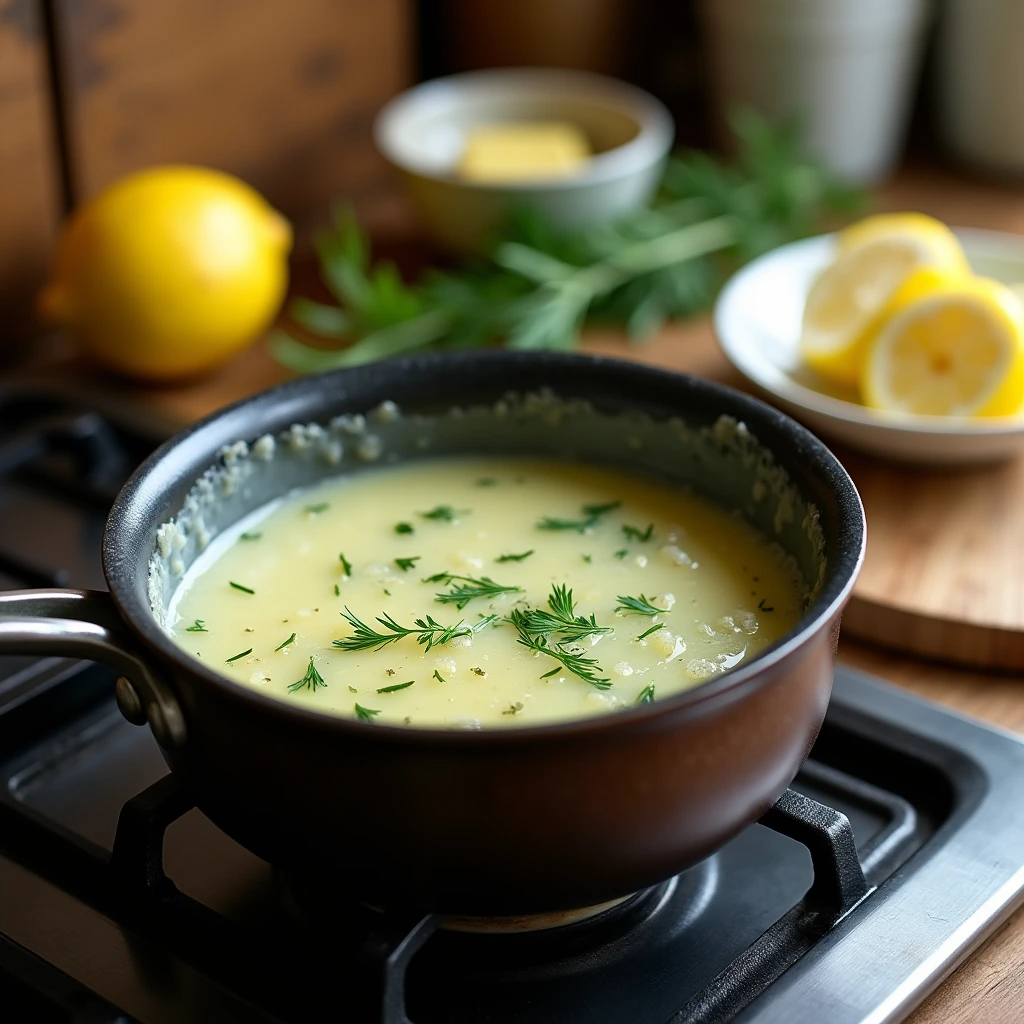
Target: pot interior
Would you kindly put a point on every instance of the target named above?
(718, 458)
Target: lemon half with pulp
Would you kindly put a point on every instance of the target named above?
(951, 345)
(846, 303)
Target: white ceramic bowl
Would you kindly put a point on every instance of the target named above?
(757, 320)
(423, 132)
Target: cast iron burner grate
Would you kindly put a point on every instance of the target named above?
(136, 867)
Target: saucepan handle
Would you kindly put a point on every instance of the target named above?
(85, 624)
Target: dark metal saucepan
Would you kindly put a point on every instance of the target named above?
(490, 822)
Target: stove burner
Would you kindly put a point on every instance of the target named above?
(545, 922)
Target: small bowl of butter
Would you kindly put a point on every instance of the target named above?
(576, 148)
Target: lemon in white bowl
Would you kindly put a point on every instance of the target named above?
(950, 344)
(848, 300)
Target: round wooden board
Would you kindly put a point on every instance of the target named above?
(944, 572)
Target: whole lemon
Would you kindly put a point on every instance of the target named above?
(169, 272)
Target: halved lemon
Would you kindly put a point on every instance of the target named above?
(951, 345)
(845, 304)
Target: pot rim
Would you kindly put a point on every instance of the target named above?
(129, 515)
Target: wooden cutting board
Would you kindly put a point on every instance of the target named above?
(944, 572)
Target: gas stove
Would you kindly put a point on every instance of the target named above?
(898, 849)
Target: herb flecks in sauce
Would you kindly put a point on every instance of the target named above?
(249, 536)
(635, 533)
(238, 586)
(346, 565)
(199, 626)
(646, 695)
(317, 509)
(236, 657)
(404, 528)
(395, 687)
(287, 643)
(591, 657)
(515, 558)
(366, 714)
(444, 514)
(592, 516)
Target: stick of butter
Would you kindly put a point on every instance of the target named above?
(523, 151)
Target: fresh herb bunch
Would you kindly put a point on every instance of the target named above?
(538, 287)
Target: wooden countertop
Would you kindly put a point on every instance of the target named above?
(989, 987)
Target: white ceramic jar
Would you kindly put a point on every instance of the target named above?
(980, 85)
(845, 68)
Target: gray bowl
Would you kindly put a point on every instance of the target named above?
(422, 133)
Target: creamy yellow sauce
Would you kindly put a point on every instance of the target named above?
(266, 604)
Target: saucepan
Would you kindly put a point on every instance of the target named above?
(512, 821)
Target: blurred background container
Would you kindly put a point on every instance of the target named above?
(845, 68)
(980, 80)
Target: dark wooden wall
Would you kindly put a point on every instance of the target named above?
(280, 92)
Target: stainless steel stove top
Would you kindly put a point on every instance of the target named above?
(898, 850)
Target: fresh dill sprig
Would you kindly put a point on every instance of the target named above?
(317, 508)
(635, 533)
(346, 565)
(404, 528)
(199, 626)
(287, 643)
(646, 695)
(514, 558)
(654, 629)
(443, 513)
(427, 631)
(466, 588)
(395, 687)
(238, 586)
(249, 536)
(637, 606)
(405, 564)
(235, 657)
(573, 661)
(540, 285)
(591, 513)
(310, 681)
(366, 714)
(562, 618)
